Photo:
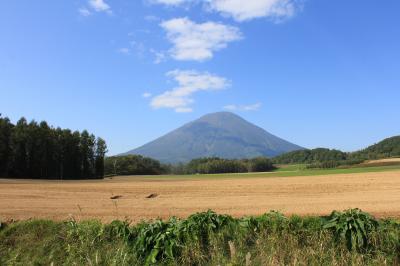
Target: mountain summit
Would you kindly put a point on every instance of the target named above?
(221, 134)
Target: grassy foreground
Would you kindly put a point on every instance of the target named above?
(349, 238)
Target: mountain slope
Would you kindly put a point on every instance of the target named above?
(222, 134)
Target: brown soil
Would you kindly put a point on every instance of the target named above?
(377, 193)
(390, 160)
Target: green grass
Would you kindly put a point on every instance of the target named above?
(313, 172)
(290, 167)
(285, 171)
(202, 239)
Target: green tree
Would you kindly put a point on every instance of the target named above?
(19, 142)
(133, 165)
(87, 146)
(6, 129)
(101, 150)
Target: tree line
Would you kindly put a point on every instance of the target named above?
(326, 158)
(215, 165)
(133, 165)
(310, 156)
(139, 165)
(387, 148)
(38, 151)
(318, 158)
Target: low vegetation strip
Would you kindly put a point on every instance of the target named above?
(351, 237)
(286, 171)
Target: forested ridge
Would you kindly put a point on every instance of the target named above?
(39, 151)
(387, 148)
(326, 158)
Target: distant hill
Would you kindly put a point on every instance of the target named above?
(387, 148)
(221, 134)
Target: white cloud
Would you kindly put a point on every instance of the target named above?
(251, 107)
(124, 51)
(169, 2)
(189, 82)
(100, 6)
(241, 10)
(146, 95)
(159, 56)
(230, 107)
(84, 12)
(251, 9)
(192, 41)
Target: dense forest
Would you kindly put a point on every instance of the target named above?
(387, 148)
(217, 165)
(133, 165)
(39, 151)
(139, 165)
(310, 156)
(326, 158)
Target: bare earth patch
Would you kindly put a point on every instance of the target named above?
(390, 160)
(377, 193)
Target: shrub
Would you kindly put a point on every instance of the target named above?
(158, 241)
(200, 226)
(120, 230)
(352, 226)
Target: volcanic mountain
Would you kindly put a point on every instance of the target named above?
(222, 134)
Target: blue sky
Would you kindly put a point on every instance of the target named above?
(319, 73)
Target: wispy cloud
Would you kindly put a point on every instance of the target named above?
(151, 18)
(99, 5)
(169, 2)
(192, 41)
(251, 9)
(159, 56)
(250, 107)
(84, 12)
(138, 48)
(183, 110)
(189, 82)
(124, 50)
(147, 95)
(96, 6)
